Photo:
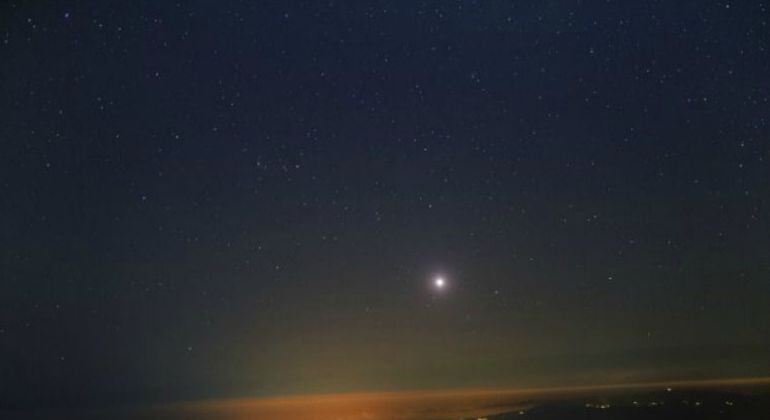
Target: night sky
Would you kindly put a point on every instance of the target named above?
(217, 199)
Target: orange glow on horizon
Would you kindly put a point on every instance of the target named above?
(414, 404)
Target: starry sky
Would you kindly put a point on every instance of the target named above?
(217, 199)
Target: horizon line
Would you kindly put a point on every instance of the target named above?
(479, 391)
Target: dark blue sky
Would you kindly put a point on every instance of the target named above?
(228, 198)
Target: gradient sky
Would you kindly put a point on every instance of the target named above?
(216, 199)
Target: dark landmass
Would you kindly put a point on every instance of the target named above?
(704, 402)
(674, 405)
